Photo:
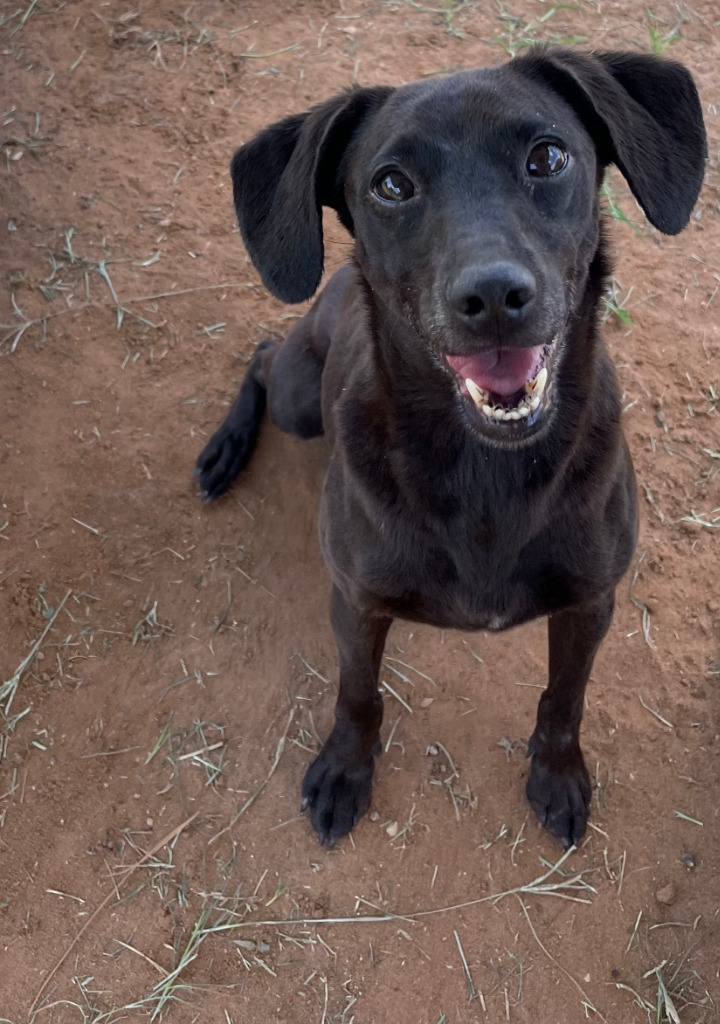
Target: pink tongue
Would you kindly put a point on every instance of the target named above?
(500, 370)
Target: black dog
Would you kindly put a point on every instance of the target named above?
(478, 474)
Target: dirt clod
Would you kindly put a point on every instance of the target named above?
(667, 894)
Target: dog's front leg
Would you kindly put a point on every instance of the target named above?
(338, 784)
(558, 787)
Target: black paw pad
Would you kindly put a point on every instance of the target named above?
(559, 791)
(336, 796)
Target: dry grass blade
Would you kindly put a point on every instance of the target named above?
(165, 989)
(16, 331)
(656, 714)
(226, 611)
(557, 963)
(10, 686)
(396, 695)
(634, 932)
(466, 969)
(126, 945)
(24, 16)
(412, 668)
(253, 797)
(665, 1005)
(271, 53)
(151, 853)
(539, 887)
(644, 610)
(703, 519)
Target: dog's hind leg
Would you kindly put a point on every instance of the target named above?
(229, 449)
(284, 376)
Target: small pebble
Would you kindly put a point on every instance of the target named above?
(666, 895)
(690, 527)
(374, 816)
(426, 702)
(688, 860)
(392, 829)
(431, 750)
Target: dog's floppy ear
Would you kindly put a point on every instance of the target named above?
(283, 177)
(644, 114)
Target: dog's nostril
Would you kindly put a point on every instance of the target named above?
(474, 305)
(516, 298)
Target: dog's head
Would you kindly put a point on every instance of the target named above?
(473, 202)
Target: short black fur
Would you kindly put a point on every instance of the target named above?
(431, 510)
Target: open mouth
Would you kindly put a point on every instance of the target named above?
(507, 386)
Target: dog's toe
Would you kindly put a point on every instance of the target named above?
(337, 796)
(559, 792)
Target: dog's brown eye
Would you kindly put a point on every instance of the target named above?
(393, 187)
(546, 158)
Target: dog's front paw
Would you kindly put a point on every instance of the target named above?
(220, 461)
(559, 792)
(336, 796)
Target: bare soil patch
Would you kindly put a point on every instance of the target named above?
(186, 663)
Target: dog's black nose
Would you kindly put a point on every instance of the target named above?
(500, 293)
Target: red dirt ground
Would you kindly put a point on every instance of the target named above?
(189, 629)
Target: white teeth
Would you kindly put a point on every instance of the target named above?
(537, 386)
(533, 391)
(498, 413)
(478, 396)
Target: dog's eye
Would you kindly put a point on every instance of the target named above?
(393, 187)
(546, 158)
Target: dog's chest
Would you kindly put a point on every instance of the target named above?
(462, 582)
(472, 563)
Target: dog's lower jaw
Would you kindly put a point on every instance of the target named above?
(526, 407)
(528, 404)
